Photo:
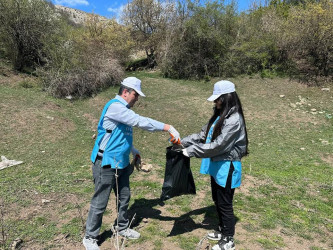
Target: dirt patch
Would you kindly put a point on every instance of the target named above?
(51, 106)
(192, 224)
(92, 120)
(98, 102)
(291, 101)
(152, 175)
(328, 159)
(8, 76)
(50, 128)
(250, 182)
(43, 205)
(283, 238)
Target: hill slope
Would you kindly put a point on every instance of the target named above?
(285, 201)
(77, 16)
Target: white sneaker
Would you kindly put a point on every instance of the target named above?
(129, 234)
(226, 243)
(90, 243)
(215, 235)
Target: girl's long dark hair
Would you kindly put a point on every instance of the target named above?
(229, 101)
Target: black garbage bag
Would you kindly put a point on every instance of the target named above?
(178, 178)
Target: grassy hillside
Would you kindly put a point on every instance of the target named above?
(285, 201)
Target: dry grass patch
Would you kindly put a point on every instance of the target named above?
(328, 159)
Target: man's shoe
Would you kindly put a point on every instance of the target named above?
(226, 243)
(90, 243)
(215, 235)
(129, 234)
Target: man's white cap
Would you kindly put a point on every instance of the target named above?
(133, 83)
(220, 88)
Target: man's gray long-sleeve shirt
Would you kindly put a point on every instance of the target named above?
(120, 113)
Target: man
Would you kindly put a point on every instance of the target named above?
(110, 158)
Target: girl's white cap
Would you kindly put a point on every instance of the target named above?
(220, 88)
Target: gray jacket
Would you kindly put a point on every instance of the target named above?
(229, 145)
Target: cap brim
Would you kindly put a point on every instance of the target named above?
(140, 93)
(137, 91)
(213, 98)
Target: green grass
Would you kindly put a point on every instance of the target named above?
(271, 242)
(288, 185)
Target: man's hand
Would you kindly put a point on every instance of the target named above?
(175, 137)
(136, 156)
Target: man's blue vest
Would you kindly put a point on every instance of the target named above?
(118, 147)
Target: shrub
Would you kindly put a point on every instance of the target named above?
(85, 71)
(84, 60)
(78, 82)
(199, 41)
(24, 26)
(308, 36)
(284, 37)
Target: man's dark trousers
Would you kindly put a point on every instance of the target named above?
(105, 181)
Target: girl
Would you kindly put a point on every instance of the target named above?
(222, 143)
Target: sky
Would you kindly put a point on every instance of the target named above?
(113, 8)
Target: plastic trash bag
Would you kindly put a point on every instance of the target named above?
(178, 178)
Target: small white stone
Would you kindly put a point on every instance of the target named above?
(44, 201)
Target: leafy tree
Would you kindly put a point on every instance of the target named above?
(148, 20)
(24, 26)
(255, 49)
(199, 43)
